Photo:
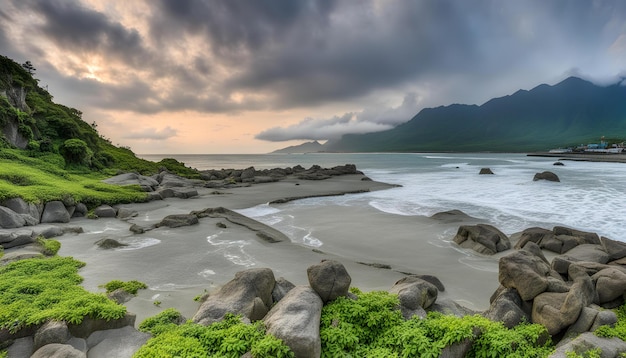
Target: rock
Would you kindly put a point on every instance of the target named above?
(21, 347)
(185, 193)
(248, 294)
(52, 231)
(29, 211)
(525, 272)
(610, 284)
(281, 288)
(105, 211)
(507, 308)
(17, 238)
(125, 213)
(547, 311)
(615, 249)
(147, 183)
(433, 280)
(534, 234)
(587, 237)
(604, 318)
(452, 216)
(484, 171)
(51, 332)
(415, 296)
(588, 252)
(119, 343)
(329, 279)
(221, 225)
(535, 250)
(178, 220)
(295, 320)
(109, 244)
(120, 296)
(482, 238)
(9, 219)
(90, 325)
(450, 307)
(559, 164)
(136, 229)
(587, 341)
(583, 323)
(55, 212)
(247, 174)
(549, 176)
(57, 350)
(80, 210)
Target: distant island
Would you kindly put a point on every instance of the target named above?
(308, 147)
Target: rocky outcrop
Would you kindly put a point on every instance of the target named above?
(105, 211)
(484, 171)
(482, 238)
(55, 212)
(178, 220)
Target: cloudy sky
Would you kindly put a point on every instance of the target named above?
(252, 76)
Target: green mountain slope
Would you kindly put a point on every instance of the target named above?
(569, 113)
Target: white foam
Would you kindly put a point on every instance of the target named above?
(232, 250)
(258, 211)
(136, 243)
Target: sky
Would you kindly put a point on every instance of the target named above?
(253, 76)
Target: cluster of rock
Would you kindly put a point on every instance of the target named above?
(570, 294)
(251, 175)
(292, 313)
(96, 338)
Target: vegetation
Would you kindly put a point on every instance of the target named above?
(373, 327)
(65, 156)
(618, 330)
(33, 291)
(228, 338)
(49, 247)
(129, 286)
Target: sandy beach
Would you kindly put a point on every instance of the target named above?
(179, 264)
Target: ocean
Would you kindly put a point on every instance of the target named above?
(591, 195)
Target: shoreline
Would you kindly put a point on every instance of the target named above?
(583, 157)
(181, 263)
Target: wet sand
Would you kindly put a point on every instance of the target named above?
(181, 263)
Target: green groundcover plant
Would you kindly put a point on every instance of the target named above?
(227, 338)
(129, 286)
(36, 290)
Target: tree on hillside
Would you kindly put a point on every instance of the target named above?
(28, 66)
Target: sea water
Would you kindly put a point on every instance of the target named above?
(591, 196)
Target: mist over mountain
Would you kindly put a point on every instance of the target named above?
(308, 147)
(571, 112)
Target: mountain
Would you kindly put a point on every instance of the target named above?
(571, 112)
(308, 147)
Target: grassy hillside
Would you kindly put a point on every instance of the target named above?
(62, 156)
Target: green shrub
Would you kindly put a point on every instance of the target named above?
(130, 286)
(50, 247)
(76, 151)
(227, 338)
(33, 291)
(372, 326)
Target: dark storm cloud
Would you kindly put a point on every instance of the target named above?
(282, 54)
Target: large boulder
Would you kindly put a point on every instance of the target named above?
(547, 175)
(615, 249)
(484, 171)
(610, 284)
(415, 295)
(51, 332)
(329, 279)
(506, 307)
(55, 212)
(146, 183)
(588, 252)
(17, 238)
(296, 320)
(534, 234)
(105, 211)
(587, 237)
(9, 219)
(482, 238)
(29, 211)
(525, 272)
(120, 343)
(248, 294)
(90, 325)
